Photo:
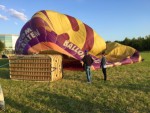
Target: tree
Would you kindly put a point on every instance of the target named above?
(126, 41)
(140, 43)
(2, 46)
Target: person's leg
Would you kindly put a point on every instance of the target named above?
(88, 73)
(86, 69)
(104, 73)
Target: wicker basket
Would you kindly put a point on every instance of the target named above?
(36, 67)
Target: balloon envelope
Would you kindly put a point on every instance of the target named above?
(53, 32)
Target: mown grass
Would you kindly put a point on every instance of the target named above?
(126, 91)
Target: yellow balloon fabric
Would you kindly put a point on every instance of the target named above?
(53, 32)
(79, 33)
(118, 54)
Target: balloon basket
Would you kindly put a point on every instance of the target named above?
(35, 67)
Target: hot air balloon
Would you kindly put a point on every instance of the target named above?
(53, 32)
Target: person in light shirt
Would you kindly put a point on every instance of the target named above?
(103, 65)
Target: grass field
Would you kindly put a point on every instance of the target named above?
(126, 91)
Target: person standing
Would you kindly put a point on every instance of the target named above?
(103, 66)
(87, 62)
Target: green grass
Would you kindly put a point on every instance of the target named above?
(126, 91)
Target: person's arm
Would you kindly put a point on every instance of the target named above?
(82, 60)
(92, 60)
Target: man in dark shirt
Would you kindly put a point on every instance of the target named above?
(87, 60)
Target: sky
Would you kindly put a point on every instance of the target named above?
(111, 19)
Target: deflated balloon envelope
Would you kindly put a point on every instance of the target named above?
(55, 33)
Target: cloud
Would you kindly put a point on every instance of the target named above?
(12, 12)
(3, 17)
(17, 14)
(2, 7)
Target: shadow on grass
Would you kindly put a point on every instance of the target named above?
(142, 86)
(60, 103)
(19, 106)
(4, 73)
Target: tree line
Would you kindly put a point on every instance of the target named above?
(140, 43)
